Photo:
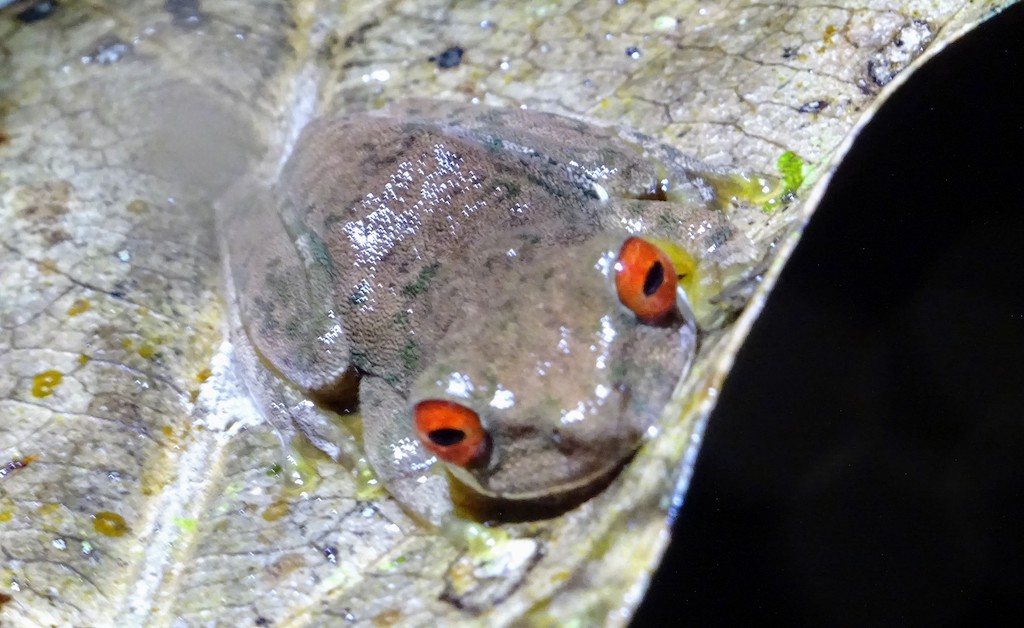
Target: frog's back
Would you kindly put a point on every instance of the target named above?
(395, 212)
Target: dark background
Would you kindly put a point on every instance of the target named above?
(865, 464)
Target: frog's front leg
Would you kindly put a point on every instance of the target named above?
(402, 465)
(282, 288)
(278, 326)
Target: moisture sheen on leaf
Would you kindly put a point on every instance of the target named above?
(137, 485)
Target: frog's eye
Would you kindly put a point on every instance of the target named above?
(646, 281)
(451, 432)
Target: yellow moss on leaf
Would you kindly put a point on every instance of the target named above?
(43, 384)
(110, 524)
(79, 306)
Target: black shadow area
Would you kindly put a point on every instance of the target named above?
(865, 465)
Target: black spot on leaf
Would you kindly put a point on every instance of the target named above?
(449, 58)
(815, 106)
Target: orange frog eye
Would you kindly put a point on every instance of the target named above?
(646, 281)
(451, 432)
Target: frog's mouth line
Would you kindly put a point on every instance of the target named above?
(472, 499)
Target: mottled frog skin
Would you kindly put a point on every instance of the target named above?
(466, 255)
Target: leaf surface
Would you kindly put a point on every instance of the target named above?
(138, 486)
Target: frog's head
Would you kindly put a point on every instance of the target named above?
(552, 383)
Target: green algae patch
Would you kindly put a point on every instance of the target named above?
(368, 487)
(698, 285)
(477, 539)
(304, 458)
(393, 565)
(682, 262)
(791, 167)
(302, 474)
(740, 188)
(186, 524)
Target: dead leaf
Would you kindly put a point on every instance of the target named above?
(152, 496)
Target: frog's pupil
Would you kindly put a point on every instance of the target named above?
(653, 280)
(446, 437)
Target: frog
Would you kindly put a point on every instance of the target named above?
(498, 294)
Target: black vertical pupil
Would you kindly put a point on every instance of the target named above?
(446, 437)
(653, 280)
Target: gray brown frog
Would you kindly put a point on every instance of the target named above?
(498, 292)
